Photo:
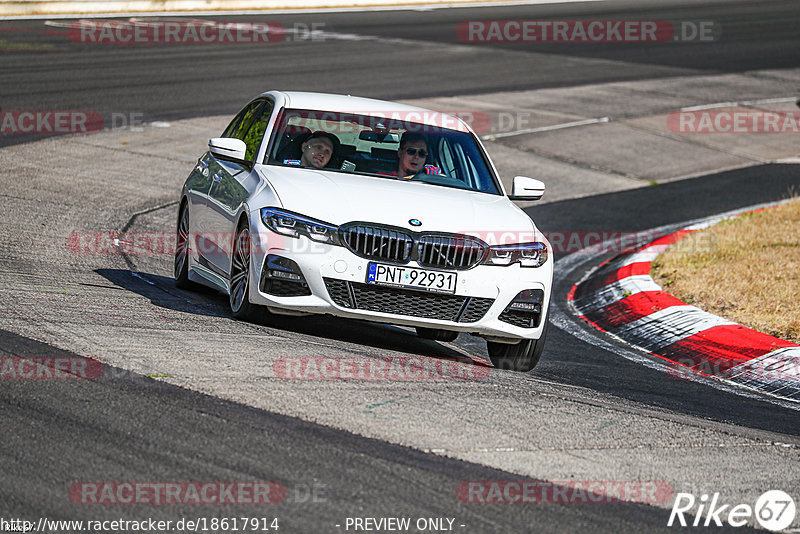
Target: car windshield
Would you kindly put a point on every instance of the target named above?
(368, 145)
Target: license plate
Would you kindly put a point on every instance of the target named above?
(411, 277)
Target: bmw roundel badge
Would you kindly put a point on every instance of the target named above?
(415, 222)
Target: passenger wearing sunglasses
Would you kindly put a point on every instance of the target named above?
(412, 154)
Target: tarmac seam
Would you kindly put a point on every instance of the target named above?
(688, 446)
(674, 137)
(578, 164)
(76, 139)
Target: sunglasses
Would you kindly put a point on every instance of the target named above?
(414, 151)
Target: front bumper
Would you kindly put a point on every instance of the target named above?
(336, 280)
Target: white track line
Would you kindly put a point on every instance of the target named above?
(741, 103)
(586, 122)
(491, 137)
(310, 10)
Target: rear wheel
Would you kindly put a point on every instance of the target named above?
(436, 334)
(240, 275)
(181, 266)
(521, 357)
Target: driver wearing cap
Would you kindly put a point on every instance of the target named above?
(317, 149)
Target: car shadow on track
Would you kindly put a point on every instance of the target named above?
(205, 301)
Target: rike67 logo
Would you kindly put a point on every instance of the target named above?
(774, 510)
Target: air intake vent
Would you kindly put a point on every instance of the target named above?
(406, 302)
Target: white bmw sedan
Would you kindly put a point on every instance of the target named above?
(329, 204)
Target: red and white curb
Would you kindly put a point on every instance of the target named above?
(621, 298)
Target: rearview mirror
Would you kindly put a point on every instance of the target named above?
(227, 148)
(524, 188)
(378, 137)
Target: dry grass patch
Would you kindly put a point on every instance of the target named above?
(745, 269)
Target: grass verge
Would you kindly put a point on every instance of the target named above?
(745, 269)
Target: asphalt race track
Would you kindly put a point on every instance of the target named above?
(187, 394)
(172, 82)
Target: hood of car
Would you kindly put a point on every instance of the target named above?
(338, 198)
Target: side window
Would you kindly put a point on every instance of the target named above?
(242, 119)
(256, 131)
(247, 119)
(446, 157)
(249, 126)
(232, 125)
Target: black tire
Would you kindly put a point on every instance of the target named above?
(436, 334)
(239, 299)
(521, 357)
(181, 263)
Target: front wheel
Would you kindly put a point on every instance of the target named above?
(181, 265)
(240, 275)
(521, 357)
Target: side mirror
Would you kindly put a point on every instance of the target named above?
(227, 148)
(524, 188)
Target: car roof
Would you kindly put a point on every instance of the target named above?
(372, 107)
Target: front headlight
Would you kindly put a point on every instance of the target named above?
(294, 225)
(526, 254)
